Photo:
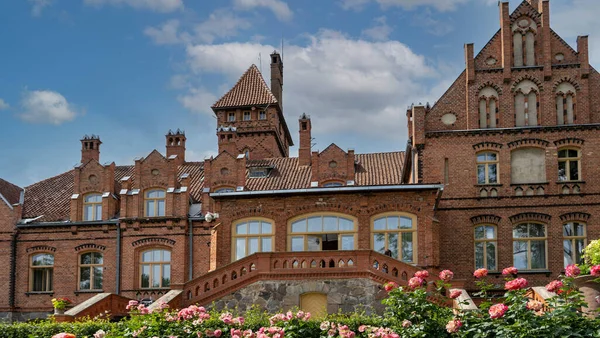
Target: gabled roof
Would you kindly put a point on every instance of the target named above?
(10, 192)
(251, 89)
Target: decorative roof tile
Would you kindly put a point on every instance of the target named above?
(251, 89)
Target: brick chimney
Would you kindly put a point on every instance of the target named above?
(90, 148)
(277, 77)
(305, 140)
(506, 38)
(175, 142)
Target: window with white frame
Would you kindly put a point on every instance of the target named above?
(574, 241)
(91, 271)
(529, 246)
(322, 233)
(396, 233)
(41, 267)
(250, 236)
(486, 247)
(92, 207)
(487, 167)
(154, 203)
(155, 269)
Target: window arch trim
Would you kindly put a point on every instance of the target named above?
(96, 214)
(307, 233)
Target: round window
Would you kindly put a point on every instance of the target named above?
(333, 164)
(93, 179)
(224, 171)
(155, 172)
(448, 119)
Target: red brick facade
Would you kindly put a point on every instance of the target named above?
(191, 210)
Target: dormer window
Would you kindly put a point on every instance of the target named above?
(155, 203)
(224, 190)
(258, 172)
(262, 115)
(247, 116)
(231, 117)
(92, 207)
(333, 184)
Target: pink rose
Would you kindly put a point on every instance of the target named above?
(534, 305)
(390, 286)
(510, 271)
(415, 282)
(446, 275)
(406, 323)
(497, 311)
(480, 273)
(572, 270)
(453, 326)
(554, 286)
(516, 284)
(455, 294)
(64, 335)
(217, 333)
(132, 304)
(595, 270)
(423, 274)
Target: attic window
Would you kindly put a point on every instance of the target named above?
(333, 164)
(224, 171)
(259, 172)
(247, 116)
(262, 115)
(332, 184)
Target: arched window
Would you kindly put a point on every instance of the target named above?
(488, 108)
(398, 234)
(569, 168)
(524, 31)
(574, 242)
(250, 236)
(565, 103)
(526, 104)
(41, 272)
(155, 268)
(529, 246)
(487, 167)
(322, 232)
(225, 189)
(486, 253)
(90, 271)
(155, 203)
(92, 207)
(333, 184)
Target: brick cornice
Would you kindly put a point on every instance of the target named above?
(527, 77)
(153, 240)
(569, 141)
(509, 131)
(568, 80)
(530, 216)
(575, 216)
(528, 142)
(489, 219)
(489, 84)
(89, 246)
(487, 145)
(41, 248)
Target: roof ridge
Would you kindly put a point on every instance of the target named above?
(238, 96)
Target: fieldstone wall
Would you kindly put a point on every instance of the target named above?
(347, 295)
(8, 317)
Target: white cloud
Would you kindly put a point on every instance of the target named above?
(578, 17)
(441, 5)
(425, 19)
(38, 6)
(46, 106)
(220, 24)
(380, 31)
(163, 6)
(363, 92)
(198, 100)
(281, 10)
(3, 105)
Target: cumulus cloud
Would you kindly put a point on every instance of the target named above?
(426, 20)
(378, 32)
(441, 5)
(365, 91)
(163, 6)
(586, 13)
(3, 105)
(165, 34)
(37, 6)
(198, 100)
(279, 8)
(47, 107)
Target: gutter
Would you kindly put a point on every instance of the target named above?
(407, 187)
(65, 224)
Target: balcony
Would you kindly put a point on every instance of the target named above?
(295, 266)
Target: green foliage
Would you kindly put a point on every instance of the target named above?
(591, 253)
(48, 328)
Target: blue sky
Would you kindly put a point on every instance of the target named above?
(130, 70)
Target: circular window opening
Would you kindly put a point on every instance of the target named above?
(93, 179)
(448, 119)
(155, 172)
(224, 171)
(491, 61)
(559, 56)
(333, 164)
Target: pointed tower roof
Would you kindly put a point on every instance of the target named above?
(251, 89)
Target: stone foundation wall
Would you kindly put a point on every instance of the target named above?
(347, 295)
(9, 317)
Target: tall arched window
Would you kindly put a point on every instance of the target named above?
(250, 236)
(565, 103)
(526, 104)
(154, 203)
(90, 271)
(569, 168)
(488, 108)
(398, 234)
(41, 272)
(155, 268)
(524, 32)
(574, 242)
(485, 247)
(92, 207)
(322, 233)
(529, 246)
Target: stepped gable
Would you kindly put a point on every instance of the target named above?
(251, 89)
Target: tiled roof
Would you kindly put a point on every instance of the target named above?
(251, 89)
(11, 192)
(51, 197)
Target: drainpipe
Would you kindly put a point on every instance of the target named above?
(118, 280)
(191, 248)
(13, 269)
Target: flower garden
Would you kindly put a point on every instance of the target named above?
(410, 312)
